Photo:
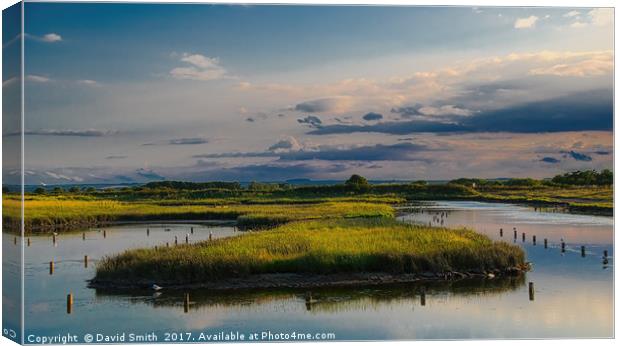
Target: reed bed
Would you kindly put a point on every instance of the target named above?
(316, 247)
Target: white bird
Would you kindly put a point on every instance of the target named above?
(155, 287)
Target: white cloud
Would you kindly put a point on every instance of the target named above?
(445, 110)
(571, 14)
(602, 16)
(594, 65)
(201, 68)
(525, 23)
(88, 82)
(9, 81)
(51, 37)
(37, 79)
(578, 25)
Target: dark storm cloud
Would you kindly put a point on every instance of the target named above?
(311, 120)
(372, 116)
(578, 112)
(549, 160)
(395, 128)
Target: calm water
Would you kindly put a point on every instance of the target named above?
(573, 295)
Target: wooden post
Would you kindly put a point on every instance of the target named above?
(583, 251)
(104, 234)
(85, 261)
(167, 244)
(604, 253)
(531, 290)
(210, 235)
(28, 241)
(148, 232)
(534, 239)
(423, 296)
(51, 267)
(501, 232)
(563, 246)
(186, 303)
(83, 235)
(176, 240)
(191, 230)
(523, 237)
(515, 234)
(53, 238)
(15, 240)
(187, 239)
(69, 303)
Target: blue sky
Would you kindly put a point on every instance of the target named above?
(133, 92)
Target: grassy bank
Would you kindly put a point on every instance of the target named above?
(45, 214)
(315, 247)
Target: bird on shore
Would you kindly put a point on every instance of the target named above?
(155, 287)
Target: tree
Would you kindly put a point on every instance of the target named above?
(5, 189)
(358, 183)
(58, 190)
(74, 189)
(39, 191)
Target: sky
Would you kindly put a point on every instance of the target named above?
(120, 93)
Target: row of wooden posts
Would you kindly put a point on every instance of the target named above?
(545, 242)
(70, 303)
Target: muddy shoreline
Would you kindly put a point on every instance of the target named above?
(290, 280)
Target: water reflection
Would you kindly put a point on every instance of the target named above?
(336, 299)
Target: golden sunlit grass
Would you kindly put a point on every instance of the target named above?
(316, 247)
(45, 214)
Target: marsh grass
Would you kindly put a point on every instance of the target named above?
(316, 247)
(47, 214)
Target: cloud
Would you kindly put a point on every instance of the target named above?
(37, 79)
(311, 120)
(602, 152)
(525, 23)
(181, 141)
(286, 144)
(88, 82)
(331, 104)
(149, 174)
(579, 156)
(576, 112)
(408, 111)
(549, 160)
(601, 16)
(598, 65)
(578, 25)
(571, 14)
(51, 37)
(200, 68)
(290, 150)
(445, 110)
(66, 132)
(115, 157)
(378, 152)
(372, 116)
